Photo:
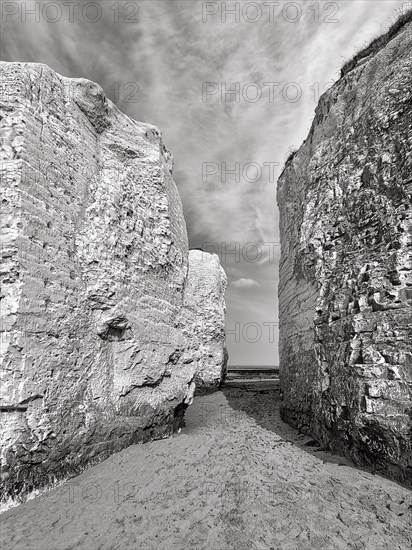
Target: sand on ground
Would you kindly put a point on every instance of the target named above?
(235, 478)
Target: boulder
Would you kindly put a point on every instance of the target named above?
(97, 349)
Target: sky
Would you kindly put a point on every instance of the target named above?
(233, 87)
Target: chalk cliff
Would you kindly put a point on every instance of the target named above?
(345, 292)
(97, 347)
(205, 305)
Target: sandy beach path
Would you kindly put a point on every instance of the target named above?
(235, 478)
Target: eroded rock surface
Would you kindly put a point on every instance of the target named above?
(95, 262)
(205, 305)
(345, 288)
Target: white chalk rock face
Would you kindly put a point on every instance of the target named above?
(97, 351)
(205, 302)
(345, 280)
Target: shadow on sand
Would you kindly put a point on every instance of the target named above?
(262, 403)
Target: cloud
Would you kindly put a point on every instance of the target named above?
(244, 283)
(169, 53)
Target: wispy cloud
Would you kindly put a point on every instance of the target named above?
(244, 283)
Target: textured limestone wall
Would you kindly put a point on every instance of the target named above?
(205, 306)
(345, 289)
(96, 347)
